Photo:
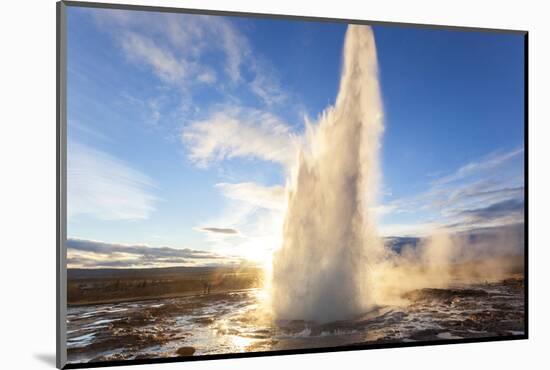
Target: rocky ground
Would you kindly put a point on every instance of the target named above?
(235, 322)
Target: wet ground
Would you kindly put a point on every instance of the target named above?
(235, 322)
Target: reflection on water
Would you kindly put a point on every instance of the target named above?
(236, 322)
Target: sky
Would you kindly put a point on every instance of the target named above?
(182, 130)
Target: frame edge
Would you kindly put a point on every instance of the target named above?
(230, 13)
(61, 185)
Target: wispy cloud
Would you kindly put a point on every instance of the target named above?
(269, 197)
(150, 109)
(483, 191)
(485, 164)
(105, 187)
(472, 196)
(140, 48)
(266, 84)
(82, 253)
(509, 211)
(79, 129)
(184, 50)
(175, 43)
(218, 230)
(239, 132)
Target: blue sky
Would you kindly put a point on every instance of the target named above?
(182, 128)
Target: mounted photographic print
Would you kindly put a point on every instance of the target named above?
(235, 185)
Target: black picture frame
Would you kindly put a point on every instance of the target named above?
(61, 186)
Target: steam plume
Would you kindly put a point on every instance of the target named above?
(320, 272)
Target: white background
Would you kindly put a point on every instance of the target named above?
(27, 203)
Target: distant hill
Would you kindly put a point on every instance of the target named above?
(165, 272)
(397, 243)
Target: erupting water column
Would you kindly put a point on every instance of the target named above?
(321, 272)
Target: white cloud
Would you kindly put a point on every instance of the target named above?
(235, 45)
(266, 84)
(184, 50)
(244, 133)
(383, 209)
(267, 90)
(196, 35)
(207, 77)
(105, 187)
(142, 49)
(175, 45)
(482, 165)
(272, 197)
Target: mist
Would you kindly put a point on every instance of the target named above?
(446, 259)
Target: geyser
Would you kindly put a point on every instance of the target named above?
(321, 271)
